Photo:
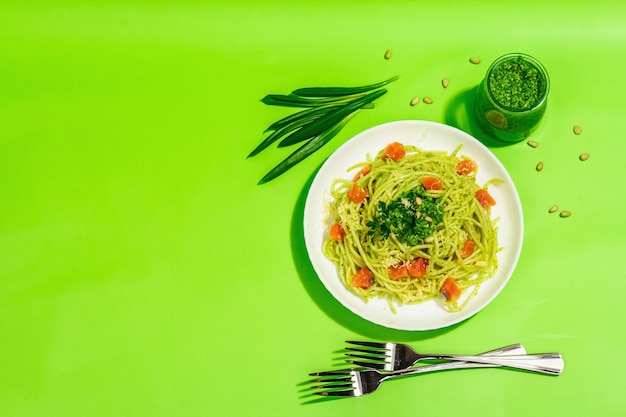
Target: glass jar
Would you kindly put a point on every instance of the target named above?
(512, 98)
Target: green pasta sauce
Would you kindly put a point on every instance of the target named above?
(402, 221)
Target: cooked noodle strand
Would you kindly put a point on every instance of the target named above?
(463, 218)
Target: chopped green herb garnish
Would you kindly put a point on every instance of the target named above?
(412, 217)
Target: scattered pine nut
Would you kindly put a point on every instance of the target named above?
(429, 239)
(578, 130)
(388, 54)
(532, 143)
(565, 213)
(428, 100)
(583, 156)
(553, 209)
(539, 166)
(445, 83)
(428, 219)
(418, 201)
(415, 101)
(474, 60)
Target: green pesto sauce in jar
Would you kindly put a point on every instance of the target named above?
(512, 98)
(516, 84)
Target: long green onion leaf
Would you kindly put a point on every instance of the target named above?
(298, 136)
(339, 91)
(282, 131)
(307, 149)
(294, 117)
(320, 125)
(292, 100)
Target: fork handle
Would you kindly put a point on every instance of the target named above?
(545, 363)
(552, 363)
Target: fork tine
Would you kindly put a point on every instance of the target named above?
(346, 393)
(377, 353)
(369, 344)
(330, 380)
(333, 386)
(367, 357)
(373, 365)
(336, 383)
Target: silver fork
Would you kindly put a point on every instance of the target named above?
(396, 356)
(357, 382)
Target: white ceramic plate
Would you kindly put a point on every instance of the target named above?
(427, 136)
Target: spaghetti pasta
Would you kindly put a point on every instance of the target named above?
(411, 226)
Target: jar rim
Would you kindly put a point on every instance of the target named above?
(533, 62)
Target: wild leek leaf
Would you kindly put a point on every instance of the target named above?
(294, 117)
(292, 100)
(306, 150)
(322, 124)
(282, 131)
(339, 91)
(328, 110)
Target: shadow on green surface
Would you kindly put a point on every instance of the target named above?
(460, 114)
(326, 302)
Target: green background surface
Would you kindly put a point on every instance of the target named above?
(144, 273)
